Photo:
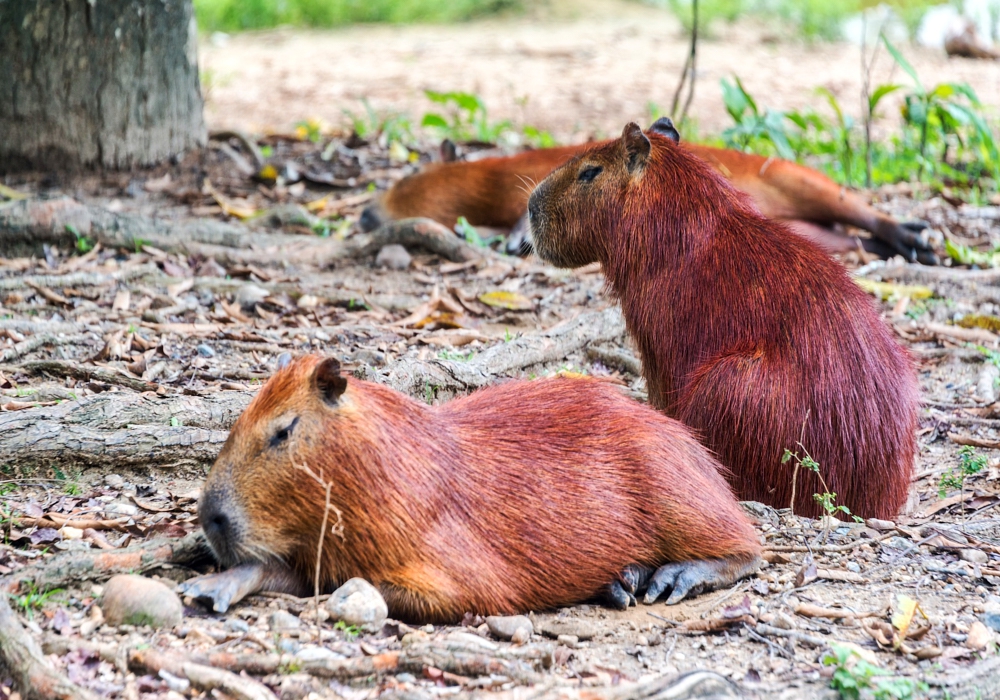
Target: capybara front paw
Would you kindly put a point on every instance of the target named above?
(221, 590)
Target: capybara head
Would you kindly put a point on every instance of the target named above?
(573, 210)
(263, 499)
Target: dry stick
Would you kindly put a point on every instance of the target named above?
(689, 69)
(79, 279)
(35, 342)
(22, 658)
(82, 372)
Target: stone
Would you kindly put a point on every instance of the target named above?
(283, 621)
(572, 628)
(505, 626)
(393, 257)
(237, 626)
(316, 654)
(129, 599)
(991, 618)
(974, 556)
(250, 295)
(521, 636)
(568, 640)
(880, 525)
(205, 350)
(358, 603)
(979, 636)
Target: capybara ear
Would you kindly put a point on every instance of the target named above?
(449, 154)
(328, 381)
(636, 147)
(665, 127)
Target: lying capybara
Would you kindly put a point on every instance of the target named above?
(524, 496)
(749, 334)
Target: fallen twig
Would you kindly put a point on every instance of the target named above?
(83, 372)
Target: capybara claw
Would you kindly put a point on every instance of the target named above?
(618, 597)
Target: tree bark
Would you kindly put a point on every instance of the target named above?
(112, 83)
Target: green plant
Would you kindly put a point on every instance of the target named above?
(827, 499)
(456, 355)
(350, 631)
(33, 599)
(969, 464)
(83, 244)
(855, 678)
(752, 125)
(464, 118)
(467, 231)
(387, 129)
(944, 118)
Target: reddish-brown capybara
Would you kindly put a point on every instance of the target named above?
(524, 496)
(748, 334)
(494, 192)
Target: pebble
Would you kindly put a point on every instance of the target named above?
(316, 654)
(283, 621)
(250, 295)
(880, 525)
(854, 566)
(288, 646)
(572, 628)
(505, 626)
(136, 600)
(975, 556)
(406, 678)
(393, 257)
(521, 636)
(205, 351)
(237, 626)
(979, 636)
(568, 640)
(358, 603)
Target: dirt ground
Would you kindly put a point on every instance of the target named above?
(152, 347)
(576, 70)
(122, 367)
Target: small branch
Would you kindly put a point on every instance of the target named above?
(81, 372)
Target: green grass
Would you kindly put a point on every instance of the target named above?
(236, 15)
(808, 19)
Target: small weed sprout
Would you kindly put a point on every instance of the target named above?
(855, 678)
(350, 631)
(827, 499)
(33, 599)
(969, 464)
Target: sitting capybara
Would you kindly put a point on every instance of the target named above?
(524, 496)
(749, 334)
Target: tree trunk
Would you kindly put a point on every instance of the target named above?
(109, 83)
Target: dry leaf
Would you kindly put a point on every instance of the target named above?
(507, 300)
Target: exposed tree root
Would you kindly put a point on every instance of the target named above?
(26, 225)
(71, 567)
(22, 659)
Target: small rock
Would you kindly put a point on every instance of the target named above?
(308, 301)
(568, 640)
(136, 600)
(979, 636)
(250, 295)
(974, 556)
(316, 654)
(287, 645)
(406, 678)
(237, 626)
(204, 350)
(283, 621)
(573, 628)
(521, 636)
(505, 626)
(210, 268)
(642, 641)
(880, 525)
(853, 566)
(113, 481)
(358, 603)
(393, 257)
(121, 509)
(990, 618)
(296, 686)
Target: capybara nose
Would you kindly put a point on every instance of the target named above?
(217, 527)
(370, 220)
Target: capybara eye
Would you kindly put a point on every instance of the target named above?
(589, 173)
(282, 435)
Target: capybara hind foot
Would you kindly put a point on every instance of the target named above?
(621, 592)
(685, 578)
(233, 585)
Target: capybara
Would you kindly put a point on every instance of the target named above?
(494, 192)
(748, 334)
(524, 496)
